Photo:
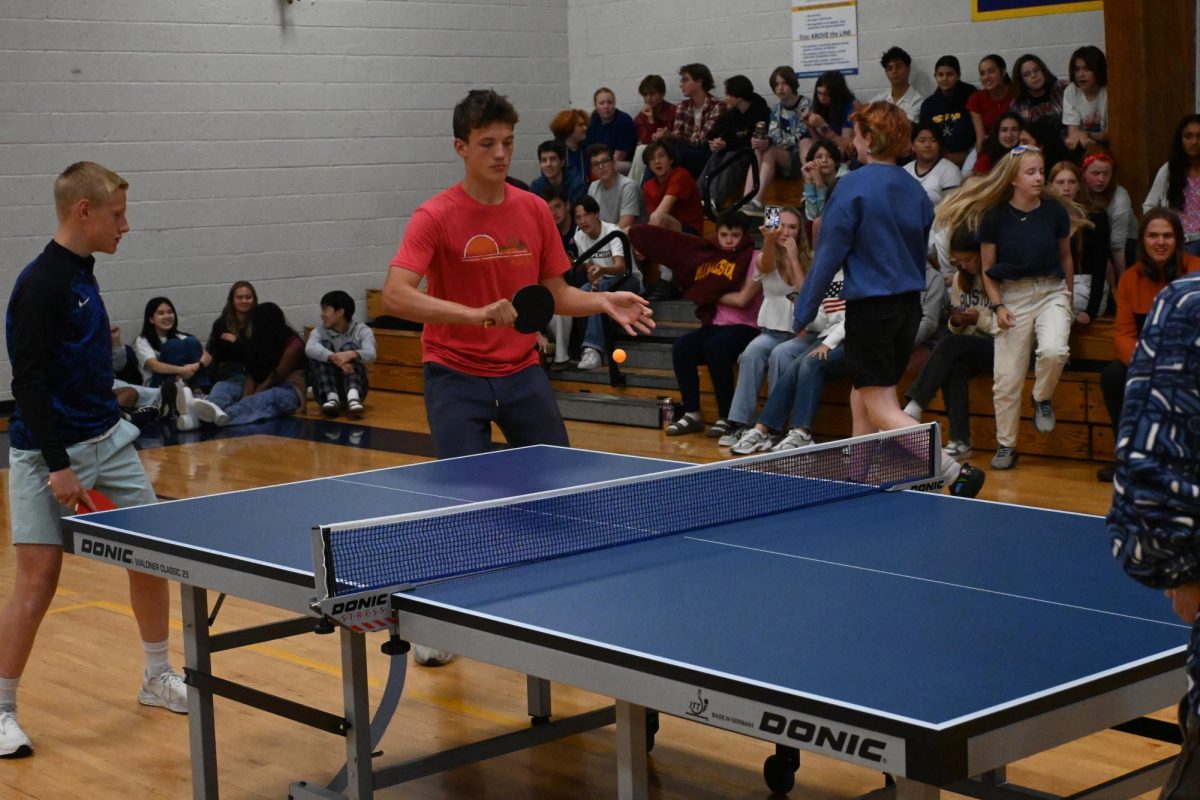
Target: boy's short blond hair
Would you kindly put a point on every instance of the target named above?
(85, 180)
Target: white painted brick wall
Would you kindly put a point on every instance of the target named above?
(285, 144)
(616, 43)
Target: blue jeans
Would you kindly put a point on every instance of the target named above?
(756, 360)
(799, 389)
(594, 338)
(226, 393)
(178, 353)
(278, 401)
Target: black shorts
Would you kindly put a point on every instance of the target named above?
(879, 337)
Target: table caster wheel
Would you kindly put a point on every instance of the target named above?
(779, 770)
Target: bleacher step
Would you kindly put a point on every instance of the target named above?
(586, 406)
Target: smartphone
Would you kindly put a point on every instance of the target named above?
(771, 217)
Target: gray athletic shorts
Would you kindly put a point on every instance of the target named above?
(110, 464)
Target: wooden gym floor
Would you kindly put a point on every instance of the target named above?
(93, 740)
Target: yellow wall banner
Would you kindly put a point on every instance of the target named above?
(982, 10)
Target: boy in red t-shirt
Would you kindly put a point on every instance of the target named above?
(475, 244)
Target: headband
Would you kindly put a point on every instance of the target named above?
(1094, 157)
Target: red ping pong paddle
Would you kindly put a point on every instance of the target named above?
(534, 305)
(99, 500)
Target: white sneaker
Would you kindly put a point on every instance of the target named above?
(958, 450)
(13, 741)
(752, 441)
(590, 360)
(186, 422)
(166, 691)
(208, 411)
(796, 437)
(429, 657)
(731, 438)
(183, 398)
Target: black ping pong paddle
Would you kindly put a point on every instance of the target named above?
(534, 305)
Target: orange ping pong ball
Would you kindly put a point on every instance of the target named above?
(618, 356)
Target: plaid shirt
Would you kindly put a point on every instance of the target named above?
(685, 120)
(1155, 518)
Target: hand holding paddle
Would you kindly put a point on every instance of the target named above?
(529, 311)
(94, 500)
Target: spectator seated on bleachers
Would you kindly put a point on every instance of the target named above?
(1099, 179)
(784, 148)
(619, 197)
(1161, 259)
(1037, 93)
(947, 109)
(967, 352)
(570, 127)
(1177, 183)
(339, 350)
(1085, 100)
(1089, 245)
(897, 67)
(993, 99)
(718, 276)
(555, 174)
(936, 174)
(829, 117)
(653, 122)
(611, 126)
(745, 109)
(605, 271)
(696, 117)
(781, 268)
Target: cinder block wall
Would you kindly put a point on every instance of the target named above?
(282, 143)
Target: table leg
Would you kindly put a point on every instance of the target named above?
(538, 692)
(912, 790)
(358, 714)
(201, 721)
(632, 769)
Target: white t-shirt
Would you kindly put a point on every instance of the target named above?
(910, 103)
(144, 352)
(604, 256)
(941, 178)
(1091, 115)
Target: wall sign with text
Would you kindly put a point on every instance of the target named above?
(824, 37)
(1006, 9)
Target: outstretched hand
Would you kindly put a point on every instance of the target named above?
(631, 312)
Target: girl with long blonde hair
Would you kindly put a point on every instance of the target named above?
(1028, 273)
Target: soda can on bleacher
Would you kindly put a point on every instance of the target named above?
(667, 412)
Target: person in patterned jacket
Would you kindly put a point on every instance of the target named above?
(1155, 518)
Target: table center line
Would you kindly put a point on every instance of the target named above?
(933, 580)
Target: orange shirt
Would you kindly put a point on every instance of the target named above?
(1135, 296)
(475, 254)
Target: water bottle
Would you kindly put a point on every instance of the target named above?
(667, 410)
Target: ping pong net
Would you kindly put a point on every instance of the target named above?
(404, 551)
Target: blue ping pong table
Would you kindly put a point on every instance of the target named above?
(932, 639)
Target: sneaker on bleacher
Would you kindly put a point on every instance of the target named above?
(590, 360)
(752, 441)
(731, 438)
(796, 437)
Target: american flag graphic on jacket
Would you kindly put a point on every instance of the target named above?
(833, 302)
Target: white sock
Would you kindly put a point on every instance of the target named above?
(331, 397)
(156, 658)
(8, 694)
(913, 410)
(351, 394)
(692, 415)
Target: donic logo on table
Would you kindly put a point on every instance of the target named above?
(824, 737)
(106, 551)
